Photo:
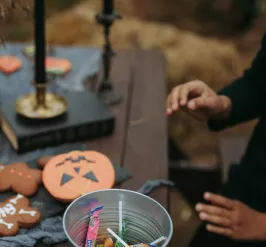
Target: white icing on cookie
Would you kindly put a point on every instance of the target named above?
(2, 168)
(8, 209)
(15, 200)
(32, 213)
(8, 225)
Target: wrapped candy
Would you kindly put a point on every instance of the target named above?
(93, 226)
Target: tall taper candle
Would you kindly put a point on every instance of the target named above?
(39, 21)
(108, 6)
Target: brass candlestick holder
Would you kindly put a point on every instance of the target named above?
(41, 105)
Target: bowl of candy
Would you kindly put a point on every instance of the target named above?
(117, 218)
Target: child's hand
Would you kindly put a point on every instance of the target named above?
(232, 218)
(199, 100)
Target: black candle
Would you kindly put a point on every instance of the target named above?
(108, 6)
(39, 22)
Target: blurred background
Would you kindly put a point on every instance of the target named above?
(209, 40)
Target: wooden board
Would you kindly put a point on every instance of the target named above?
(146, 142)
(113, 146)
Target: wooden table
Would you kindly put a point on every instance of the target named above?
(140, 139)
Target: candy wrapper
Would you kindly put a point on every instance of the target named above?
(93, 226)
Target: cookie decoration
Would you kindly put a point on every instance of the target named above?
(15, 213)
(29, 50)
(57, 66)
(20, 178)
(68, 176)
(10, 64)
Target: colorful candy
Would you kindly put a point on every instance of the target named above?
(121, 234)
(120, 237)
(93, 226)
(108, 242)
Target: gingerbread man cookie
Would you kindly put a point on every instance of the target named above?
(20, 178)
(15, 213)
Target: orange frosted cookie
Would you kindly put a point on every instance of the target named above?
(57, 66)
(68, 176)
(10, 64)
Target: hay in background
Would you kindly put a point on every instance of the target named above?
(209, 17)
(9, 7)
(10, 10)
(189, 57)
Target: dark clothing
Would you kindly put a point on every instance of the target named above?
(204, 238)
(248, 183)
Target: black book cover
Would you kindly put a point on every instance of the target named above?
(86, 118)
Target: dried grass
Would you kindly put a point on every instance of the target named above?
(189, 57)
(11, 10)
(7, 6)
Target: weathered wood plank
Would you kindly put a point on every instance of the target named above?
(113, 146)
(146, 143)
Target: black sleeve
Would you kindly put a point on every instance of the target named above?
(248, 94)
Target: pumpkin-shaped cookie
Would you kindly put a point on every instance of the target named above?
(68, 176)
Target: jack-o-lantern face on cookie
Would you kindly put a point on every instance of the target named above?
(68, 176)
